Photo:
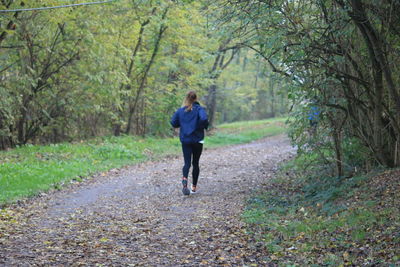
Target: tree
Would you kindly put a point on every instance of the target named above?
(323, 46)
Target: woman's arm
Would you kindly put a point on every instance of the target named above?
(203, 118)
(175, 120)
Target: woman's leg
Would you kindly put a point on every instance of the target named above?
(187, 156)
(197, 149)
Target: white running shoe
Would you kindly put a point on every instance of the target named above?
(195, 190)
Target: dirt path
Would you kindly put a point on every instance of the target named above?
(138, 216)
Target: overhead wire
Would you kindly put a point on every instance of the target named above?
(54, 7)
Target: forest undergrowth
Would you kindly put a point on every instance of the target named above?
(309, 218)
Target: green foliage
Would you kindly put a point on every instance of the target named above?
(77, 73)
(249, 90)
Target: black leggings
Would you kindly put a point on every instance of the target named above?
(188, 151)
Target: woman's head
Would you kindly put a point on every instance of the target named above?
(190, 98)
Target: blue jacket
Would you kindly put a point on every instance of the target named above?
(192, 123)
(313, 113)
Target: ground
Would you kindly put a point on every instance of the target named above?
(137, 216)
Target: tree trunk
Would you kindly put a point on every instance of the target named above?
(212, 103)
(375, 47)
(21, 123)
(272, 94)
(338, 151)
(336, 127)
(380, 69)
(118, 126)
(132, 108)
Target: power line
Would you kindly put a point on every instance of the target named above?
(54, 7)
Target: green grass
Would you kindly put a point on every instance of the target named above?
(28, 170)
(244, 132)
(239, 125)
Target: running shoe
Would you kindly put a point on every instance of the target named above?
(193, 190)
(185, 189)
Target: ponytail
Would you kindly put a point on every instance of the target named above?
(190, 98)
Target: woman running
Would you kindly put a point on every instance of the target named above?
(192, 120)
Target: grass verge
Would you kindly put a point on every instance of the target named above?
(28, 170)
(327, 221)
(244, 132)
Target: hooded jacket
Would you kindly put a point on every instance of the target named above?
(192, 123)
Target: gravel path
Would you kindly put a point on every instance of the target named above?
(137, 216)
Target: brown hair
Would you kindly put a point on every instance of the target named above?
(190, 98)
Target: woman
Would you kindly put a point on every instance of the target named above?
(192, 120)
